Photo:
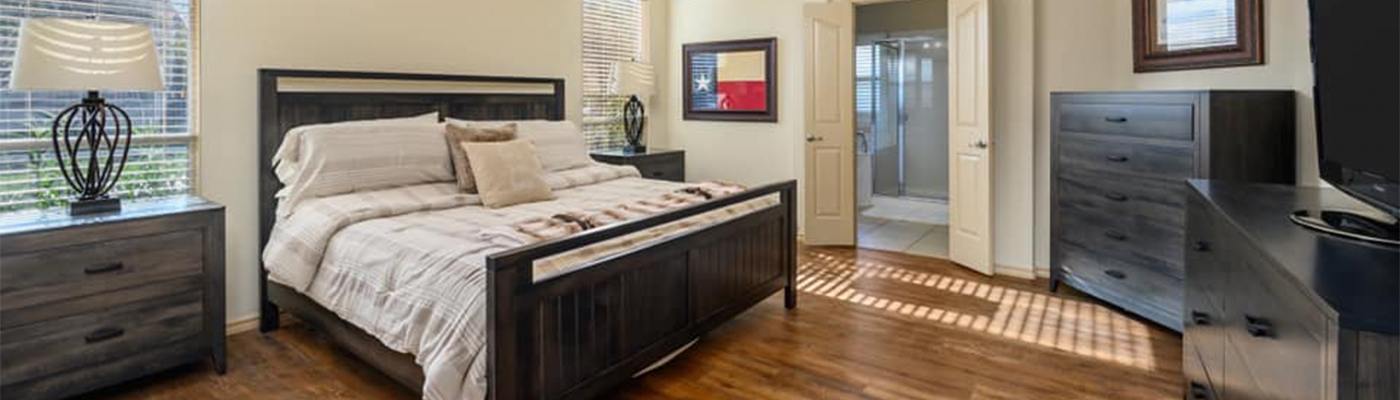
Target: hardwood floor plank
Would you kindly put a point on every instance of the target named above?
(870, 325)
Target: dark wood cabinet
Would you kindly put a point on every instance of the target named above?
(90, 301)
(1118, 162)
(1277, 311)
(663, 164)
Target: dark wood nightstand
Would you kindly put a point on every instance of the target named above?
(655, 163)
(94, 300)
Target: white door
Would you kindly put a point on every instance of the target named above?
(969, 135)
(830, 215)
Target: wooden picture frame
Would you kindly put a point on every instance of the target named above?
(1196, 49)
(748, 100)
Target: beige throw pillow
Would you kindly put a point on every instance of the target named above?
(507, 173)
(461, 165)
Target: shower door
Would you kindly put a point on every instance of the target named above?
(908, 117)
(885, 115)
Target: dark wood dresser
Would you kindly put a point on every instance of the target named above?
(1279, 311)
(1118, 161)
(663, 164)
(90, 301)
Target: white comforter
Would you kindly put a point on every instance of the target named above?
(407, 265)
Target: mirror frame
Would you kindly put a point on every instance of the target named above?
(770, 48)
(1248, 48)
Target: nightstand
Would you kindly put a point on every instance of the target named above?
(663, 164)
(94, 300)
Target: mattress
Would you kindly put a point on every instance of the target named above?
(406, 265)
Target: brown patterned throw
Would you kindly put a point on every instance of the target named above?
(565, 224)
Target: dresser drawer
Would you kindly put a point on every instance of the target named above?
(62, 273)
(1280, 336)
(1152, 294)
(1157, 200)
(1144, 159)
(1125, 238)
(88, 340)
(1160, 121)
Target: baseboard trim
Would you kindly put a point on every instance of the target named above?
(242, 324)
(1042, 272)
(1020, 272)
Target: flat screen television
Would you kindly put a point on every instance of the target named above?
(1356, 95)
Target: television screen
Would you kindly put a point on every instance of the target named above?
(1356, 71)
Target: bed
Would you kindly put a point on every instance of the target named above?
(573, 330)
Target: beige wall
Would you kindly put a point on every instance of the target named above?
(496, 37)
(744, 152)
(1087, 45)
(1013, 135)
(901, 16)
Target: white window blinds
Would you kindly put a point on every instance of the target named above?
(159, 163)
(612, 31)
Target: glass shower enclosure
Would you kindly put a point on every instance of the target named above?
(902, 115)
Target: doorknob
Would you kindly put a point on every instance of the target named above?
(811, 138)
(981, 144)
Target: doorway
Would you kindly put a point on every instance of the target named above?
(902, 141)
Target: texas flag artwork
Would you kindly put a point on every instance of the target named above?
(732, 81)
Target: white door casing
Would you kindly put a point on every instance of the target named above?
(830, 215)
(969, 135)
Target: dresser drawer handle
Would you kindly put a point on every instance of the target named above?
(1116, 196)
(104, 334)
(1116, 274)
(1115, 235)
(1116, 120)
(1201, 246)
(103, 268)
(1200, 318)
(1116, 158)
(1258, 327)
(1199, 392)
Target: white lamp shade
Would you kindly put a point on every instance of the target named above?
(66, 54)
(633, 79)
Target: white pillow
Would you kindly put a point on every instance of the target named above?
(366, 157)
(559, 144)
(285, 162)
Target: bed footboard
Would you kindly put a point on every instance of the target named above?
(578, 334)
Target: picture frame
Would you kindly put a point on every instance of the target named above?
(1175, 35)
(734, 80)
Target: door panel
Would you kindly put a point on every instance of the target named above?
(969, 136)
(829, 217)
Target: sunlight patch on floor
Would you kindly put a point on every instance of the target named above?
(1082, 328)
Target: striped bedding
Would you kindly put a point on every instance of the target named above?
(406, 265)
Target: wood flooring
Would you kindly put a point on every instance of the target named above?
(869, 324)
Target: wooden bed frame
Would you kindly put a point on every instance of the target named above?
(572, 336)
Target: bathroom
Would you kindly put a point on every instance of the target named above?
(902, 127)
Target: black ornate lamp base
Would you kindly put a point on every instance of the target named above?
(633, 121)
(94, 206)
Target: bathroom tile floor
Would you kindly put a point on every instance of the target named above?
(902, 236)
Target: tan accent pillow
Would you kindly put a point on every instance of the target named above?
(461, 165)
(507, 173)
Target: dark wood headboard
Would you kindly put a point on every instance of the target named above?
(291, 98)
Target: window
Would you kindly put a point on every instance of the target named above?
(159, 163)
(612, 31)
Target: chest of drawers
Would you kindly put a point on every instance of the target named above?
(655, 163)
(89, 301)
(1277, 311)
(1118, 166)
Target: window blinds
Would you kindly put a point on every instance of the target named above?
(159, 163)
(612, 31)
(1196, 24)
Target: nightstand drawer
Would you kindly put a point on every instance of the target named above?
(662, 171)
(88, 340)
(62, 273)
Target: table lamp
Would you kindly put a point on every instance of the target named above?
(630, 78)
(90, 139)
